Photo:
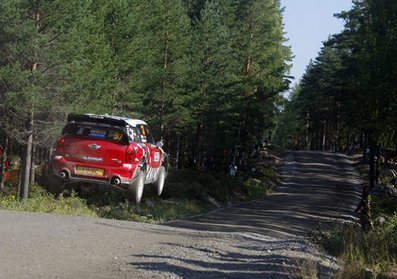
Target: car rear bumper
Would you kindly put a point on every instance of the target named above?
(121, 175)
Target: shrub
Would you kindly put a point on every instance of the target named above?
(197, 185)
(375, 249)
(41, 201)
(187, 192)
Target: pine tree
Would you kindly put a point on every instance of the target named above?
(30, 72)
(213, 97)
(262, 57)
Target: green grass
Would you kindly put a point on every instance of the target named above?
(151, 210)
(305, 269)
(186, 193)
(376, 249)
(364, 254)
(383, 207)
(41, 201)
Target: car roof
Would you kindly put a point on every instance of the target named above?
(105, 118)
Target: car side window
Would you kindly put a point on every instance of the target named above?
(144, 134)
(132, 134)
(149, 135)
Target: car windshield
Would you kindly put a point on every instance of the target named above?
(95, 132)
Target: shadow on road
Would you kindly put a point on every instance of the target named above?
(317, 188)
(243, 262)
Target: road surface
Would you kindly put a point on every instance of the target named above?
(259, 239)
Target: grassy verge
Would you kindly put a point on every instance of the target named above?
(41, 201)
(371, 254)
(186, 193)
(375, 250)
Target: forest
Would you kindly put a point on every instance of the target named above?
(347, 99)
(206, 75)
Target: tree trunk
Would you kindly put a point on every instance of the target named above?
(3, 164)
(307, 131)
(197, 147)
(164, 79)
(377, 165)
(114, 102)
(27, 156)
(26, 167)
(365, 146)
(324, 139)
(32, 168)
(178, 142)
(372, 152)
(364, 208)
(235, 154)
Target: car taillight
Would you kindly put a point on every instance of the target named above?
(130, 156)
(60, 145)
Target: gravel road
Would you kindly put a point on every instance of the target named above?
(259, 239)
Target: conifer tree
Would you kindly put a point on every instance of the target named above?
(262, 57)
(213, 97)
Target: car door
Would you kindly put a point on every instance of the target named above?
(153, 153)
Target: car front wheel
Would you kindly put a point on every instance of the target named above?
(159, 184)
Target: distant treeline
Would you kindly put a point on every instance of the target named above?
(347, 99)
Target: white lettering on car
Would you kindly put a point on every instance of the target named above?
(157, 156)
(90, 158)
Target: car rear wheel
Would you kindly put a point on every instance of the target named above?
(159, 184)
(135, 189)
(55, 185)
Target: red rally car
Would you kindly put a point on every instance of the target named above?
(109, 150)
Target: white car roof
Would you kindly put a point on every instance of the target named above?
(129, 121)
(134, 122)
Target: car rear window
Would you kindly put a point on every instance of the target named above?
(95, 132)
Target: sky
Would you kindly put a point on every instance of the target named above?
(307, 24)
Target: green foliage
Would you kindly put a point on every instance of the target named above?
(187, 192)
(196, 185)
(153, 210)
(204, 74)
(262, 56)
(381, 206)
(212, 101)
(101, 204)
(255, 188)
(41, 201)
(305, 269)
(349, 90)
(376, 249)
(290, 126)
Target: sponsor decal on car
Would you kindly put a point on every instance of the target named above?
(91, 158)
(156, 156)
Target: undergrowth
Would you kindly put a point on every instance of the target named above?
(41, 201)
(186, 193)
(364, 254)
(375, 250)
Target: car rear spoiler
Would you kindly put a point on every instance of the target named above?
(97, 119)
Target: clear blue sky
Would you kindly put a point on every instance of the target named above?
(307, 24)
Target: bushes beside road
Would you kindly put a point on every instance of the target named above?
(187, 192)
(366, 254)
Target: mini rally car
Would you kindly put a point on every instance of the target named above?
(108, 150)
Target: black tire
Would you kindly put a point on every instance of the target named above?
(55, 185)
(159, 184)
(135, 189)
